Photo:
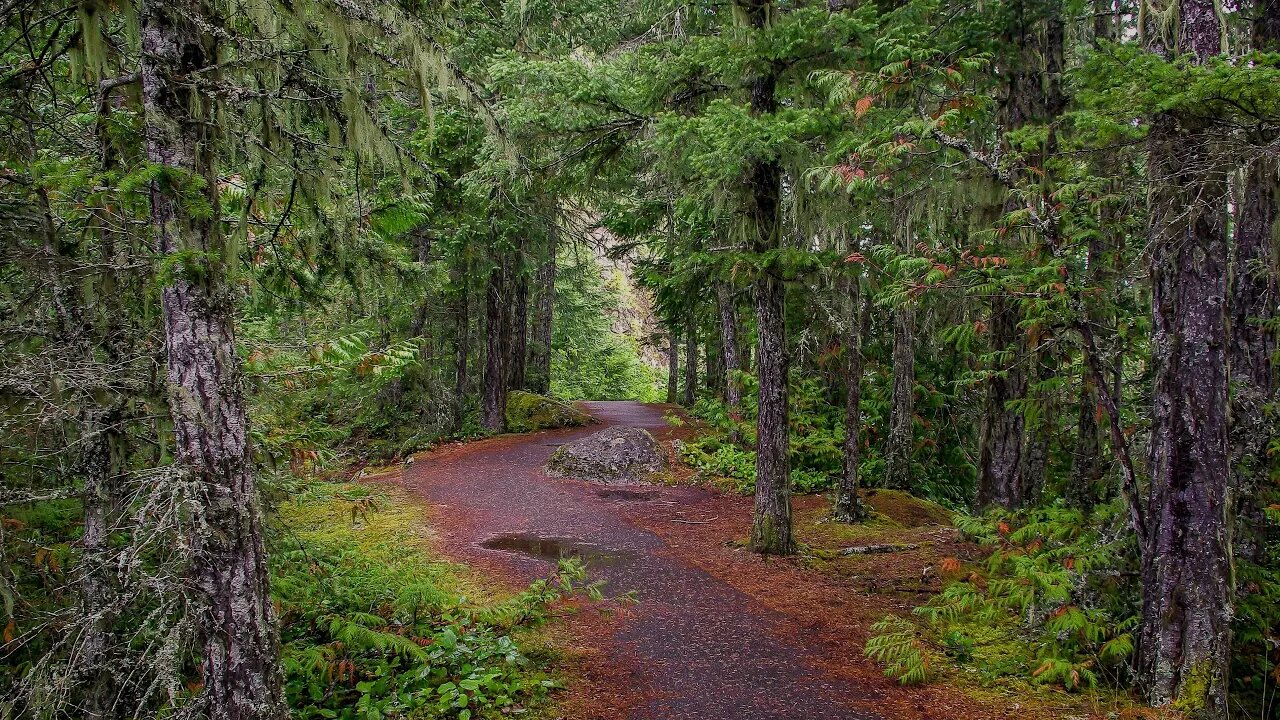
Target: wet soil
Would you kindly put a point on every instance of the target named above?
(718, 634)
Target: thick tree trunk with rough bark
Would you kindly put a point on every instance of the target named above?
(1001, 439)
(690, 361)
(771, 528)
(235, 620)
(1000, 480)
(1252, 307)
(1184, 643)
(848, 507)
(493, 403)
(543, 310)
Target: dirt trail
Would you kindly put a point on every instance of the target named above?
(694, 647)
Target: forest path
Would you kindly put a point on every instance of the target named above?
(694, 646)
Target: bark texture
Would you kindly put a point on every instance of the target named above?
(461, 348)
(519, 331)
(1084, 484)
(1252, 308)
(1000, 480)
(729, 341)
(493, 402)
(898, 450)
(235, 620)
(901, 442)
(848, 507)
(690, 361)
(1185, 637)
(771, 528)
(539, 379)
(673, 368)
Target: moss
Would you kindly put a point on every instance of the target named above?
(384, 525)
(1193, 691)
(528, 412)
(906, 510)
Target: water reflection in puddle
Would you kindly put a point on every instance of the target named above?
(554, 548)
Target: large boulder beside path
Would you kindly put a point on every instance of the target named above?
(617, 455)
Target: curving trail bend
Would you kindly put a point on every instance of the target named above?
(694, 647)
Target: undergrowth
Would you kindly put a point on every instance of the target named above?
(373, 628)
(724, 451)
(1055, 603)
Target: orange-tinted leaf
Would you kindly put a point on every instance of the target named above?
(861, 107)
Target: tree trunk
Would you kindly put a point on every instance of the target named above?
(1039, 434)
(771, 530)
(494, 400)
(901, 442)
(848, 507)
(519, 331)
(714, 355)
(1184, 643)
(690, 361)
(235, 620)
(461, 347)
(729, 341)
(1082, 489)
(544, 308)
(1000, 480)
(673, 367)
(1252, 302)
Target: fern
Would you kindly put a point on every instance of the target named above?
(897, 646)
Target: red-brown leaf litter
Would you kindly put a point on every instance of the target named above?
(719, 633)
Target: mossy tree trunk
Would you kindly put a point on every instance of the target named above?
(1184, 642)
(235, 621)
(1252, 312)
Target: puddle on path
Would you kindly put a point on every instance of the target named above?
(554, 548)
(633, 495)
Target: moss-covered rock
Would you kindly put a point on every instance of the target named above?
(616, 455)
(528, 411)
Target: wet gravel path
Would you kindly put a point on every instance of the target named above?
(694, 647)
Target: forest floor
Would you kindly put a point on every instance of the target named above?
(718, 631)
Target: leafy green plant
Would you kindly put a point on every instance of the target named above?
(373, 629)
(1051, 605)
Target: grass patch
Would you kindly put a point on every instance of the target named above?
(374, 627)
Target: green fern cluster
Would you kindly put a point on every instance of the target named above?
(1052, 605)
